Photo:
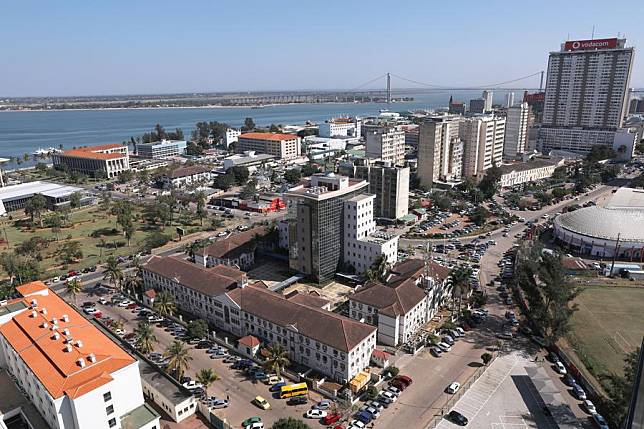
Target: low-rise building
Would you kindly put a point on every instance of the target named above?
(333, 345)
(16, 197)
(248, 159)
(523, 172)
(108, 160)
(238, 250)
(73, 373)
(341, 127)
(183, 176)
(161, 149)
(403, 303)
(281, 146)
(164, 391)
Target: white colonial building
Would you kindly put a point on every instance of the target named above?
(73, 374)
(401, 305)
(523, 172)
(334, 345)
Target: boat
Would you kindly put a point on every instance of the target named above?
(47, 151)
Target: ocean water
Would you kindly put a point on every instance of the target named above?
(25, 132)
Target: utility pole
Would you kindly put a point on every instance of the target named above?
(612, 265)
(388, 89)
(541, 82)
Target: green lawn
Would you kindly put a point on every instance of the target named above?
(95, 231)
(608, 324)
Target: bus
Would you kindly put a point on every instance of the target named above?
(294, 390)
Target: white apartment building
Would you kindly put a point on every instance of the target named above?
(579, 140)
(363, 246)
(231, 136)
(483, 137)
(509, 99)
(282, 146)
(184, 176)
(161, 149)
(516, 131)
(108, 160)
(487, 97)
(523, 172)
(586, 94)
(440, 150)
(386, 143)
(334, 345)
(74, 375)
(401, 305)
(341, 127)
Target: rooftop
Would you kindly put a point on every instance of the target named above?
(28, 189)
(607, 223)
(163, 383)
(328, 328)
(139, 417)
(188, 171)
(268, 136)
(249, 341)
(530, 165)
(310, 299)
(627, 198)
(233, 246)
(208, 281)
(76, 153)
(53, 339)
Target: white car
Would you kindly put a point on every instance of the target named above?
(561, 369)
(444, 346)
(256, 425)
(389, 396)
(120, 332)
(453, 388)
(315, 414)
(125, 303)
(356, 424)
(192, 384)
(373, 411)
(589, 406)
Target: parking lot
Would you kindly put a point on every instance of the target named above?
(233, 385)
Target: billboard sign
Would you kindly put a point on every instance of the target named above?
(585, 45)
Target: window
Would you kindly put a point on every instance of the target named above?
(109, 410)
(107, 396)
(112, 423)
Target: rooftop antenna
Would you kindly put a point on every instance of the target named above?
(592, 37)
(388, 89)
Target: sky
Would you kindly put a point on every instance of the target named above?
(74, 47)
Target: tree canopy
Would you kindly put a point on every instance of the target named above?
(489, 185)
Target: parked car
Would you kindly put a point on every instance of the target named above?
(277, 387)
(393, 389)
(323, 405)
(444, 347)
(560, 368)
(589, 406)
(436, 351)
(453, 388)
(375, 413)
(314, 413)
(364, 417)
(192, 384)
(578, 392)
(600, 422)
(261, 403)
(388, 395)
(457, 418)
(552, 357)
(249, 421)
(218, 403)
(297, 400)
(569, 380)
(331, 418)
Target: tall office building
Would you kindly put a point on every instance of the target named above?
(477, 105)
(509, 99)
(483, 139)
(331, 225)
(386, 143)
(487, 96)
(440, 150)
(586, 94)
(516, 131)
(389, 183)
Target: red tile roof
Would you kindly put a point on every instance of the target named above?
(268, 136)
(30, 288)
(233, 246)
(57, 369)
(249, 341)
(76, 153)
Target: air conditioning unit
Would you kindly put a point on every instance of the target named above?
(56, 336)
(66, 331)
(91, 358)
(79, 344)
(68, 348)
(44, 325)
(44, 310)
(65, 318)
(81, 362)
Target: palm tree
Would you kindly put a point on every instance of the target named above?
(145, 338)
(132, 284)
(461, 283)
(276, 358)
(370, 275)
(113, 272)
(382, 266)
(207, 376)
(164, 304)
(73, 288)
(179, 358)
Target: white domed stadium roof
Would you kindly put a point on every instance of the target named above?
(605, 223)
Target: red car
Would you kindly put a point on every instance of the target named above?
(132, 306)
(331, 418)
(404, 380)
(72, 273)
(97, 314)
